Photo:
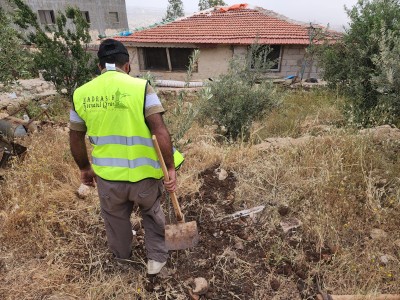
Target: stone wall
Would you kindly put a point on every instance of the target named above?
(24, 92)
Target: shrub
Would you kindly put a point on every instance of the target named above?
(242, 95)
(360, 62)
(387, 80)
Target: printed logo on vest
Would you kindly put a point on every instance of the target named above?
(96, 103)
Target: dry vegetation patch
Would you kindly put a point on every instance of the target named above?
(342, 192)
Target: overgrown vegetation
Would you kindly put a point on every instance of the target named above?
(364, 62)
(184, 112)
(15, 61)
(343, 186)
(241, 95)
(61, 55)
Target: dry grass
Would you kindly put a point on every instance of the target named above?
(340, 187)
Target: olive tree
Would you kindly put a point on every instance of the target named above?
(359, 63)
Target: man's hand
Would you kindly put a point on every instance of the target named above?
(88, 177)
(157, 127)
(170, 185)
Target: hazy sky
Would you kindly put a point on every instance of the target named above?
(316, 11)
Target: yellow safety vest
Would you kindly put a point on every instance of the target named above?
(112, 106)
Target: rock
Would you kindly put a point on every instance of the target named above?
(275, 284)
(397, 243)
(83, 191)
(193, 296)
(289, 224)
(378, 234)
(201, 286)
(384, 259)
(222, 174)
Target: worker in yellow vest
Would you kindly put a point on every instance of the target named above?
(120, 113)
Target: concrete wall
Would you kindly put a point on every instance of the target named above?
(214, 61)
(293, 60)
(100, 21)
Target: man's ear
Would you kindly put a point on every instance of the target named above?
(126, 68)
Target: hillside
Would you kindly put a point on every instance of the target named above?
(330, 223)
(142, 16)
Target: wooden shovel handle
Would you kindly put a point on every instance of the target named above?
(178, 213)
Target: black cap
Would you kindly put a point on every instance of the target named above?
(110, 47)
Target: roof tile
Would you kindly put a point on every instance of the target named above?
(240, 26)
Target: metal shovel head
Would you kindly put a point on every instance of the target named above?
(181, 235)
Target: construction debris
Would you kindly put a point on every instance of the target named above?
(9, 149)
(244, 213)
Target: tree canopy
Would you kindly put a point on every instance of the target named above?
(364, 62)
(174, 10)
(205, 4)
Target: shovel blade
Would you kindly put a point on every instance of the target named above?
(181, 235)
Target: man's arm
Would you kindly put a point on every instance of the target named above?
(158, 128)
(79, 153)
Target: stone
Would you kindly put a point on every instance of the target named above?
(221, 173)
(384, 259)
(83, 191)
(290, 224)
(378, 234)
(200, 286)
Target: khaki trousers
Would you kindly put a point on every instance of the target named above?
(117, 199)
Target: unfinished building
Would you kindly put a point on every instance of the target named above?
(105, 17)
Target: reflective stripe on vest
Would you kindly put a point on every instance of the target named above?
(126, 163)
(121, 140)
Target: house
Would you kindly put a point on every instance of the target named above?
(221, 33)
(105, 17)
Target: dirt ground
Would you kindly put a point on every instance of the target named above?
(229, 246)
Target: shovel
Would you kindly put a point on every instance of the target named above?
(181, 235)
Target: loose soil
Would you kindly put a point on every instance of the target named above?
(230, 245)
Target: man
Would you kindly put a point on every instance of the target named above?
(119, 113)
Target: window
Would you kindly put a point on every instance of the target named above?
(155, 59)
(114, 17)
(46, 17)
(165, 59)
(85, 15)
(180, 58)
(262, 54)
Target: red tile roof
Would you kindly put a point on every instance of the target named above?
(235, 26)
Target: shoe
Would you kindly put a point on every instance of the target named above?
(154, 267)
